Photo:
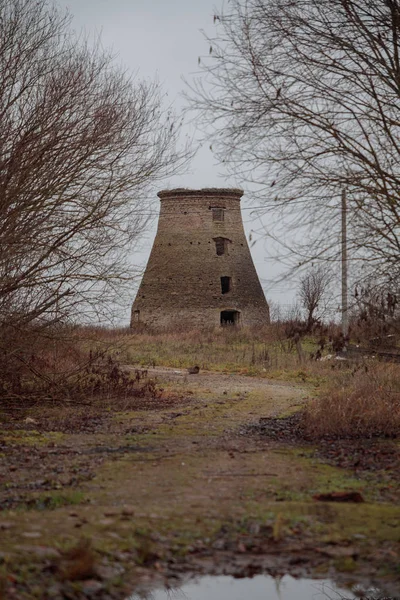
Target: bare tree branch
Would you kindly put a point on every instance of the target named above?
(81, 144)
(302, 99)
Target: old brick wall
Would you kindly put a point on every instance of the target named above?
(182, 281)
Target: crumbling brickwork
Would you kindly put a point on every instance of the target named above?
(200, 271)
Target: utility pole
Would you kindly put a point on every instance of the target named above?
(345, 315)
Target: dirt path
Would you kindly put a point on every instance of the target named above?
(168, 480)
(221, 383)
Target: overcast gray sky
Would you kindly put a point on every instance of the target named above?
(163, 40)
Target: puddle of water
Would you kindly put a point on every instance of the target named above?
(260, 587)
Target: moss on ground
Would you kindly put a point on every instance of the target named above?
(31, 437)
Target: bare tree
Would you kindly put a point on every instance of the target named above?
(80, 145)
(313, 290)
(303, 100)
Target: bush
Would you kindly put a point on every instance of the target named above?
(67, 363)
(361, 403)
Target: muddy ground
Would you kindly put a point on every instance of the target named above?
(206, 474)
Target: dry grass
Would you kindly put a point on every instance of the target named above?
(243, 350)
(361, 403)
(88, 362)
(264, 352)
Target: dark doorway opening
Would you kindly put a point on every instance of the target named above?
(225, 285)
(229, 317)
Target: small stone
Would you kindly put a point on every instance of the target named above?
(106, 522)
(106, 572)
(338, 552)
(5, 525)
(110, 513)
(219, 545)
(127, 511)
(91, 587)
(30, 421)
(12, 592)
(31, 534)
(123, 556)
(114, 535)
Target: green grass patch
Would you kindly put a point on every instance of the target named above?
(31, 437)
(54, 500)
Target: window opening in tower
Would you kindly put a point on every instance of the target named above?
(217, 214)
(220, 245)
(225, 285)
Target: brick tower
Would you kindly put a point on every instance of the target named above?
(200, 271)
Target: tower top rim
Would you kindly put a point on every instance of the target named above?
(204, 192)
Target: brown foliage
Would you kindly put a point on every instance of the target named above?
(363, 403)
(339, 497)
(67, 364)
(78, 563)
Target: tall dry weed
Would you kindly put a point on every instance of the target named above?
(364, 402)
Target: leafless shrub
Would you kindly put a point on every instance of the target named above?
(68, 365)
